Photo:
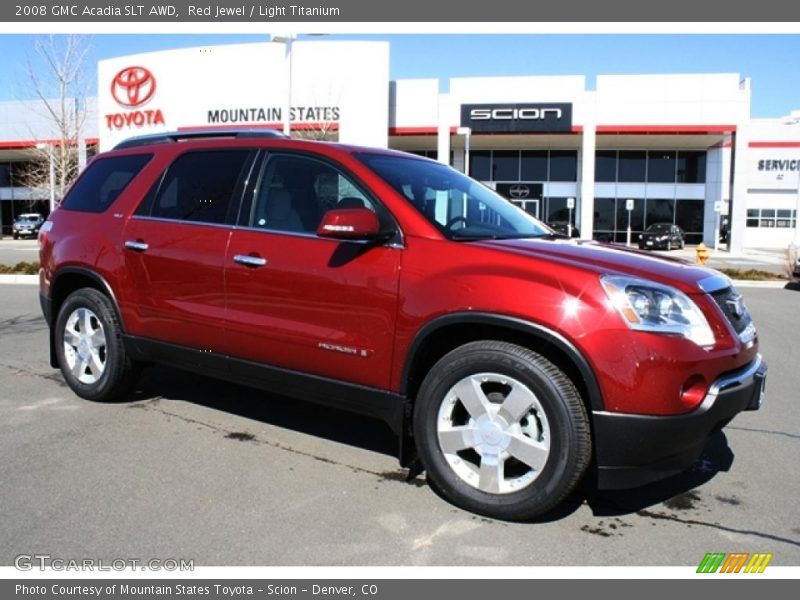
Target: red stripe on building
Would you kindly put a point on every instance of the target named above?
(666, 129)
(774, 144)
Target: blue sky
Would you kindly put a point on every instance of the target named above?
(769, 60)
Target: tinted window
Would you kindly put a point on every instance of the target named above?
(563, 165)
(199, 186)
(605, 165)
(505, 165)
(103, 181)
(661, 166)
(632, 165)
(480, 165)
(534, 165)
(691, 167)
(294, 192)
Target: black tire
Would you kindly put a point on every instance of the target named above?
(119, 373)
(560, 419)
(16, 236)
(683, 244)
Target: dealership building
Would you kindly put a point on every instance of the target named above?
(607, 155)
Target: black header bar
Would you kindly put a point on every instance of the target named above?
(408, 11)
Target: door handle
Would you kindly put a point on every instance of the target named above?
(250, 261)
(136, 245)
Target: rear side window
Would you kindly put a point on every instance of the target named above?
(103, 182)
(199, 187)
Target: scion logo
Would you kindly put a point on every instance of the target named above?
(517, 118)
(133, 86)
(519, 191)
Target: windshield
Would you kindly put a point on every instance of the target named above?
(459, 207)
(660, 227)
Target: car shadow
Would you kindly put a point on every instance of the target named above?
(793, 285)
(167, 384)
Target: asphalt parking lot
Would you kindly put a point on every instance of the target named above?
(197, 469)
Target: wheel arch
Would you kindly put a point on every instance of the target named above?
(443, 334)
(66, 281)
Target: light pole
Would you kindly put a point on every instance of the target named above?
(286, 40)
(467, 133)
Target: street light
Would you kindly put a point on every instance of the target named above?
(467, 133)
(287, 40)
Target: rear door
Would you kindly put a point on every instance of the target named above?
(175, 245)
(305, 303)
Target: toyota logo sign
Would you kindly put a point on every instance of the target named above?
(133, 86)
(519, 191)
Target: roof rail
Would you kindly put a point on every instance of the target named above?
(176, 136)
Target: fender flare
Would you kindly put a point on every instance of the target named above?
(516, 324)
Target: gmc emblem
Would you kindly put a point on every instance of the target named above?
(514, 114)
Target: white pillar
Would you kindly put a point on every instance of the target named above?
(588, 150)
(443, 133)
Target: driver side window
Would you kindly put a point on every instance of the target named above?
(294, 192)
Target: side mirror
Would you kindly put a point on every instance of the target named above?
(350, 224)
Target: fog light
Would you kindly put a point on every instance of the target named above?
(693, 391)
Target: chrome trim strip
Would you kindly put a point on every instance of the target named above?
(714, 283)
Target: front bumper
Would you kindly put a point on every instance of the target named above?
(633, 450)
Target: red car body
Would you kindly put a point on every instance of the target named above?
(359, 325)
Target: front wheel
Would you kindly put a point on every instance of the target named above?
(501, 430)
(89, 348)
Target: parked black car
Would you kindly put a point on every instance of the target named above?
(27, 225)
(664, 236)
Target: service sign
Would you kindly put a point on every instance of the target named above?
(517, 118)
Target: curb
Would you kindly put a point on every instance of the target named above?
(20, 279)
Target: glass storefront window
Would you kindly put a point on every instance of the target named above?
(689, 217)
(659, 211)
(637, 219)
(605, 166)
(534, 165)
(604, 215)
(505, 165)
(661, 166)
(480, 165)
(632, 166)
(691, 167)
(563, 165)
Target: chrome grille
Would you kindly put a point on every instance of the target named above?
(732, 305)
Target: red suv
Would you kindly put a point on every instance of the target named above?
(510, 361)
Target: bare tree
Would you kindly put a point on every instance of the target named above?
(56, 76)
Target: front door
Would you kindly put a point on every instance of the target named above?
(305, 303)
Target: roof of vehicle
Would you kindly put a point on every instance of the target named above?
(27, 216)
(261, 135)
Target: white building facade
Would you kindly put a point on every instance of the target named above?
(673, 148)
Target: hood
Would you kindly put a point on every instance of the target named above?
(604, 258)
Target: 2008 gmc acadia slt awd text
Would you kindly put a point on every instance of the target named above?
(511, 361)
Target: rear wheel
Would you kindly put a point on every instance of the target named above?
(501, 430)
(89, 348)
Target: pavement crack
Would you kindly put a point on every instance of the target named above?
(676, 519)
(792, 436)
(392, 476)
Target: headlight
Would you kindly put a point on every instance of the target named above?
(649, 306)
